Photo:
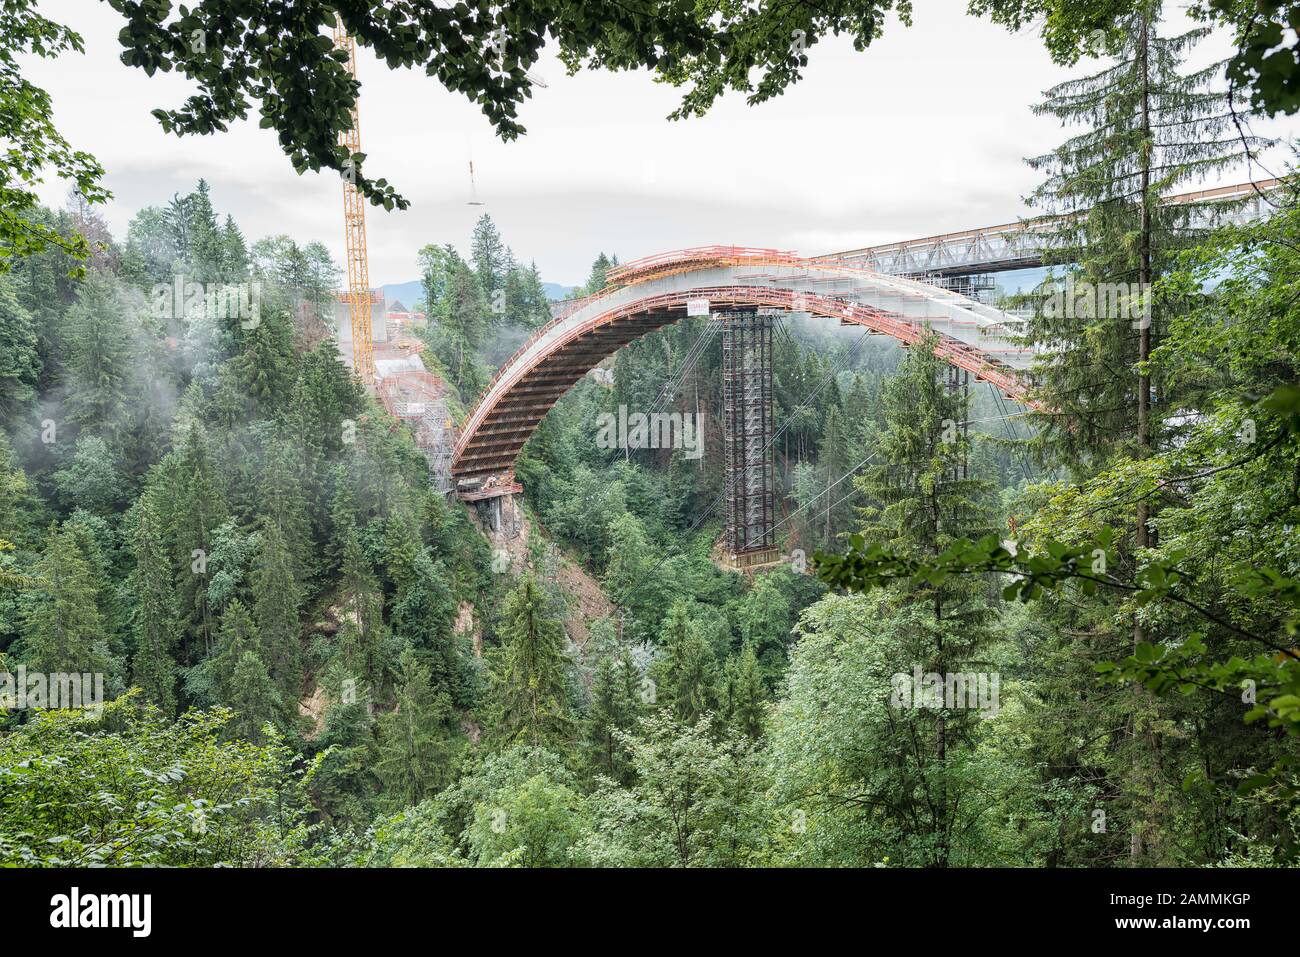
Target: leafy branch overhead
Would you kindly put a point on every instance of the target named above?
(280, 56)
(32, 140)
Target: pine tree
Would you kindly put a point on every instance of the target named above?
(491, 258)
(1150, 127)
(615, 707)
(687, 671)
(742, 697)
(276, 599)
(530, 686)
(155, 622)
(415, 745)
(921, 501)
(63, 630)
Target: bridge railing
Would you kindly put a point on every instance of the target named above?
(733, 255)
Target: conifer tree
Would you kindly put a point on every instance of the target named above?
(491, 258)
(234, 253)
(615, 706)
(20, 361)
(415, 745)
(195, 508)
(99, 355)
(276, 598)
(206, 246)
(688, 670)
(228, 678)
(423, 616)
(530, 686)
(920, 502)
(361, 639)
(154, 620)
(1150, 126)
(741, 695)
(63, 629)
(253, 697)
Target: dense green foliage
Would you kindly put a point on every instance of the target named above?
(1070, 644)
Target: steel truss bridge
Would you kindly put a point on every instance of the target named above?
(1021, 245)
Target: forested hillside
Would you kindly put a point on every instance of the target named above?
(310, 656)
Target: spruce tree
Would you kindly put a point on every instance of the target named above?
(155, 623)
(415, 744)
(234, 253)
(362, 637)
(99, 356)
(491, 258)
(20, 361)
(615, 707)
(63, 630)
(193, 507)
(227, 678)
(530, 681)
(742, 698)
(920, 502)
(253, 697)
(276, 600)
(1150, 127)
(686, 674)
(206, 243)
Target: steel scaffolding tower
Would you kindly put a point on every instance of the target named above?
(958, 383)
(747, 437)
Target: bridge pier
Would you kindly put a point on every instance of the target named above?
(747, 438)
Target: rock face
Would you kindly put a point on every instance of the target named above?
(510, 552)
(314, 707)
(465, 623)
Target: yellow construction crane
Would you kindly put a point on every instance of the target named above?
(359, 295)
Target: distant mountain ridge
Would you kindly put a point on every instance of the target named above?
(412, 293)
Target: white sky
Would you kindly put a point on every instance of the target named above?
(924, 132)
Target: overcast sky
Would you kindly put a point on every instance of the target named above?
(925, 132)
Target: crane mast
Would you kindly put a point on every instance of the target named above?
(359, 295)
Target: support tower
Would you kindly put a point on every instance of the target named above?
(747, 438)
